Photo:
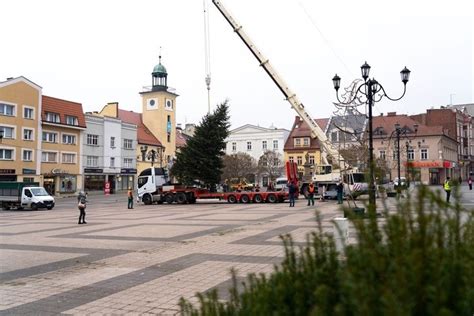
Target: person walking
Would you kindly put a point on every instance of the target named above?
(130, 198)
(291, 193)
(447, 188)
(340, 192)
(81, 205)
(311, 194)
(469, 181)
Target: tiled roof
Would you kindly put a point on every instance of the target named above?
(63, 108)
(386, 125)
(144, 135)
(301, 129)
(181, 138)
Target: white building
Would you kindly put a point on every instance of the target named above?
(256, 140)
(109, 153)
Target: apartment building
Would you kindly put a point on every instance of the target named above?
(300, 145)
(109, 153)
(62, 125)
(427, 153)
(20, 130)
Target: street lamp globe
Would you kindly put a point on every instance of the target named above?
(336, 82)
(405, 74)
(365, 70)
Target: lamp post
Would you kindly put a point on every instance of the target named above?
(144, 149)
(370, 91)
(400, 132)
(152, 156)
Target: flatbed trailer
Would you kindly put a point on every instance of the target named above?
(182, 195)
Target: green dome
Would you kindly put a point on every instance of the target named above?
(159, 69)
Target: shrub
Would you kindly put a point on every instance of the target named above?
(419, 262)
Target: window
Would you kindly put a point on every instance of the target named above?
(297, 142)
(290, 159)
(92, 140)
(382, 154)
(27, 134)
(49, 137)
(53, 117)
(299, 160)
(8, 132)
(306, 142)
(68, 158)
(127, 143)
(6, 154)
(28, 113)
(7, 109)
(127, 162)
(47, 156)
(249, 145)
(71, 120)
(92, 161)
(28, 179)
(275, 144)
(27, 155)
(311, 160)
(276, 162)
(424, 154)
(112, 162)
(69, 139)
(234, 146)
(264, 145)
(411, 154)
(112, 142)
(334, 137)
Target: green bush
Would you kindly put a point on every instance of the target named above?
(420, 262)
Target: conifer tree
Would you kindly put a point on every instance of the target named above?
(201, 158)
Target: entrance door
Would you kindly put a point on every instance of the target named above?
(434, 177)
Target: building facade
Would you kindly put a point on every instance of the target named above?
(20, 130)
(427, 153)
(255, 141)
(61, 154)
(300, 145)
(109, 153)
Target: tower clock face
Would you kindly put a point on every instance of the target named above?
(152, 104)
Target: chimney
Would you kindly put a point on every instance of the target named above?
(9, 78)
(381, 114)
(392, 114)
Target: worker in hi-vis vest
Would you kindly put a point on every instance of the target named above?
(447, 188)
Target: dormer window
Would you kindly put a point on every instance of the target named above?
(53, 117)
(71, 120)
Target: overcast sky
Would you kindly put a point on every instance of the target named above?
(94, 52)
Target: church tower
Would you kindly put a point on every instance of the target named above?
(159, 111)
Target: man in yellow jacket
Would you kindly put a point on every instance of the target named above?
(447, 188)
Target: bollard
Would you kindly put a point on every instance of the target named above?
(341, 233)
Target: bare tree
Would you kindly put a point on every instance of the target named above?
(271, 164)
(239, 165)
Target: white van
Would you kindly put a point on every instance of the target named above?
(281, 184)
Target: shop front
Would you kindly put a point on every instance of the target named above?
(94, 179)
(60, 182)
(430, 172)
(8, 175)
(126, 179)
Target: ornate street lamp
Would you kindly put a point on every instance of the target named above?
(370, 91)
(403, 132)
(144, 149)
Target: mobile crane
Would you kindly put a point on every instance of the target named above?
(328, 174)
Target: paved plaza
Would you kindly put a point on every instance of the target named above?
(140, 261)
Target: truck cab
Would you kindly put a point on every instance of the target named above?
(149, 183)
(35, 198)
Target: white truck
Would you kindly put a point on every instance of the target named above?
(24, 195)
(150, 184)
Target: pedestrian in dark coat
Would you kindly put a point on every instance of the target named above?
(81, 205)
(340, 192)
(469, 181)
(291, 193)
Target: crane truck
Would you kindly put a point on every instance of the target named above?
(326, 173)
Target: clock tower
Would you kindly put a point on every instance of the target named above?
(159, 111)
